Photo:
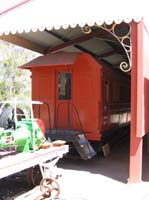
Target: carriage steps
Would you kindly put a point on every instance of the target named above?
(77, 138)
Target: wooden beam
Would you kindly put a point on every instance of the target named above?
(75, 42)
(136, 133)
(67, 42)
(17, 40)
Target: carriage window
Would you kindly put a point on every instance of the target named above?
(64, 85)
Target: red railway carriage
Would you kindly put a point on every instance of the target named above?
(83, 94)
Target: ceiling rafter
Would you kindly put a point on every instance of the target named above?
(74, 42)
(17, 40)
(67, 43)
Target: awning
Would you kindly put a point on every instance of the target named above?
(56, 25)
(33, 15)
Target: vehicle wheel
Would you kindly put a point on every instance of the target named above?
(49, 187)
(6, 118)
(34, 176)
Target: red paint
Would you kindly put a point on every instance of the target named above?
(139, 97)
(135, 171)
(99, 95)
(41, 125)
(14, 7)
(145, 106)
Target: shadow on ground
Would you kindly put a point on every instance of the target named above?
(115, 166)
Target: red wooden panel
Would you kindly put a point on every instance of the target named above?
(86, 94)
(43, 90)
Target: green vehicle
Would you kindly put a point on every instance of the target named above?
(19, 130)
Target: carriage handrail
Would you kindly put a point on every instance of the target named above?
(74, 106)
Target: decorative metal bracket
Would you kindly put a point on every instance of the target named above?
(123, 38)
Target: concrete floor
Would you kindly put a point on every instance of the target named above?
(103, 178)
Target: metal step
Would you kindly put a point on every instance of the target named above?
(77, 138)
(83, 147)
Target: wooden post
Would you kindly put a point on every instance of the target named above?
(136, 135)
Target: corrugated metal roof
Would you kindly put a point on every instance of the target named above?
(100, 43)
(38, 14)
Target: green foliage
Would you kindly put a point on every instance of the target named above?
(14, 82)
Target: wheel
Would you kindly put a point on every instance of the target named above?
(34, 176)
(49, 187)
(20, 114)
(6, 118)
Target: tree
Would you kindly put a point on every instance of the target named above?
(14, 82)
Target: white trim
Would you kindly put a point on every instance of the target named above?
(55, 14)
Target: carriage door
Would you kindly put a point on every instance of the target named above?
(63, 98)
